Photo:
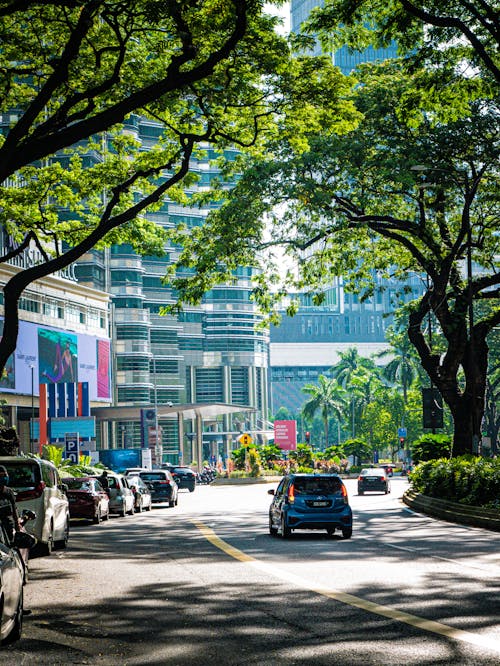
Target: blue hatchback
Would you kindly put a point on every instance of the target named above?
(310, 502)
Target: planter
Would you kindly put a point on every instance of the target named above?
(453, 511)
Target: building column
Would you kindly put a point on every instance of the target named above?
(180, 433)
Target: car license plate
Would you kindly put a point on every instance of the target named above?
(321, 503)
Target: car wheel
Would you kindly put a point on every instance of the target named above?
(139, 508)
(44, 549)
(330, 531)
(97, 518)
(131, 511)
(286, 532)
(106, 516)
(191, 490)
(176, 500)
(273, 531)
(61, 544)
(347, 532)
(171, 503)
(386, 491)
(17, 629)
(123, 511)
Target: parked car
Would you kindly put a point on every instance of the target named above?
(310, 502)
(184, 477)
(133, 471)
(11, 591)
(87, 499)
(121, 498)
(39, 488)
(163, 486)
(142, 493)
(373, 479)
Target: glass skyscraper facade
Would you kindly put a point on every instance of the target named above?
(343, 58)
(209, 353)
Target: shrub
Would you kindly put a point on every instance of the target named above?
(431, 447)
(466, 479)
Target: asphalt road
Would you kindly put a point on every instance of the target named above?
(204, 583)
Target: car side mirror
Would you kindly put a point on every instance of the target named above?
(270, 492)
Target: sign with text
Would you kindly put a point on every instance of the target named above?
(285, 435)
(72, 446)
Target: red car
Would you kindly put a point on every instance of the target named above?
(87, 499)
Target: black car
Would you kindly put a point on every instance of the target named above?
(162, 484)
(373, 479)
(184, 477)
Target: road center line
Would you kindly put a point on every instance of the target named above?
(349, 599)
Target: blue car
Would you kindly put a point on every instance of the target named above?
(310, 502)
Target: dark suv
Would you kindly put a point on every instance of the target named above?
(310, 502)
(184, 476)
(162, 484)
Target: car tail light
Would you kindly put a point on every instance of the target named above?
(343, 492)
(33, 493)
(291, 493)
(360, 478)
(164, 483)
(382, 478)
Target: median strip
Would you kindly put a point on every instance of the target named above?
(357, 602)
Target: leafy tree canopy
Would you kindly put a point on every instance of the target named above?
(76, 76)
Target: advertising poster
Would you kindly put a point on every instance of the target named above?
(103, 367)
(57, 356)
(47, 355)
(285, 435)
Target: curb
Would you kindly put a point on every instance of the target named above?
(453, 511)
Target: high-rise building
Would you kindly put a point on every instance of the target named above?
(343, 58)
(309, 344)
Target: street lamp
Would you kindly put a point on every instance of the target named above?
(32, 367)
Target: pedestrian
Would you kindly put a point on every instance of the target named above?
(9, 517)
(104, 480)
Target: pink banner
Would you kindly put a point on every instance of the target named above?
(103, 367)
(285, 435)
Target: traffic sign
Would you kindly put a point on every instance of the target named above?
(245, 439)
(402, 432)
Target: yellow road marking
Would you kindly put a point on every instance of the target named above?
(349, 599)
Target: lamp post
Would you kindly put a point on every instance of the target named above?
(32, 367)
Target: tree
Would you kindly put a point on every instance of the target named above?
(73, 75)
(403, 368)
(458, 29)
(361, 201)
(356, 374)
(359, 449)
(328, 397)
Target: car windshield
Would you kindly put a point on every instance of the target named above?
(78, 484)
(22, 475)
(317, 485)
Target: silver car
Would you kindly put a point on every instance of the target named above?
(121, 498)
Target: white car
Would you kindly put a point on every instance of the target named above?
(38, 487)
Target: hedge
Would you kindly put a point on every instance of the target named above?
(465, 479)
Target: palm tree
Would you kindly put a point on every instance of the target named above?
(328, 397)
(348, 371)
(403, 368)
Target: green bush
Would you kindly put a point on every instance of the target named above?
(431, 447)
(466, 479)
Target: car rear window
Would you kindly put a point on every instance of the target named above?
(379, 471)
(153, 476)
(22, 476)
(317, 485)
(79, 484)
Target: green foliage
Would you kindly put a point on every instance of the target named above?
(431, 447)
(358, 448)
(465, 479)
(302, 456)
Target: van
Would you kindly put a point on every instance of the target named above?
(38, 487)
